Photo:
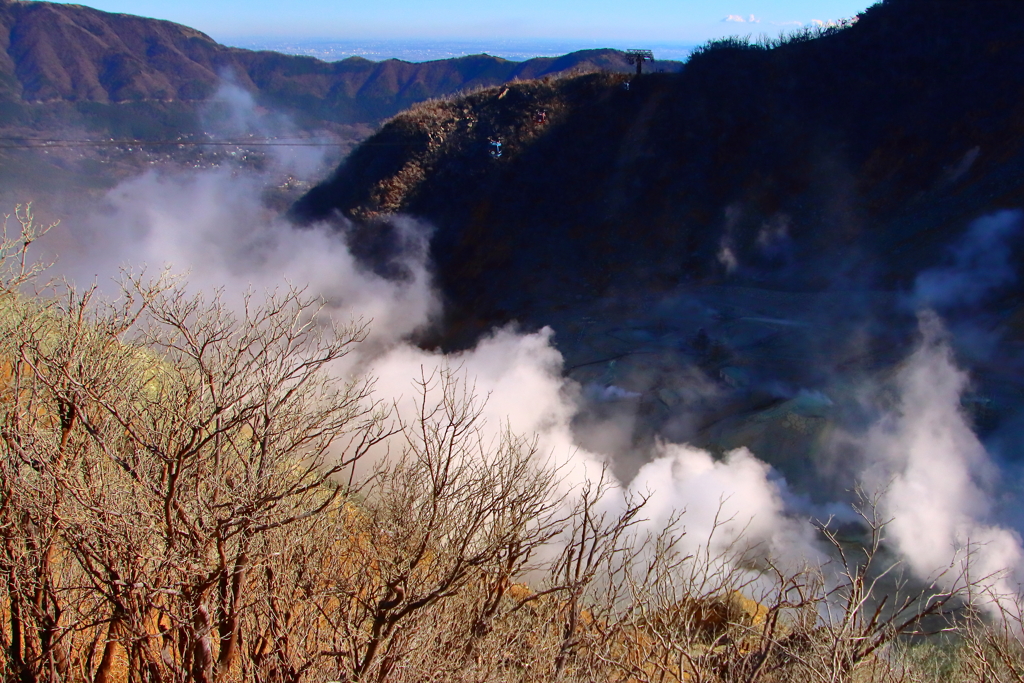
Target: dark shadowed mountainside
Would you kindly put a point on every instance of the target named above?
(767, 215)
(854, 157)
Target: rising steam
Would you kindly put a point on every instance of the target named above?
(930, 471)
(212, 224)
(933, 476)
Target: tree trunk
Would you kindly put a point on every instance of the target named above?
(109, 650)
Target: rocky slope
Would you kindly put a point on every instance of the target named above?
(789, 167)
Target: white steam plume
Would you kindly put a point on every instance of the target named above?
(934, 477)
(212, 224)
(735, 500)
(730, 502)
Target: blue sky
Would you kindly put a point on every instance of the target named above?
(686, 21)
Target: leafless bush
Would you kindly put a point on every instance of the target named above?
(993, 649)
(452, 512)
(153, 447)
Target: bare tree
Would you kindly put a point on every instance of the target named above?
(848, 620)
(993, 639)
(452, 511)
(35, 583)
(195, 433)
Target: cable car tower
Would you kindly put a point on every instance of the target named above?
(638, 57)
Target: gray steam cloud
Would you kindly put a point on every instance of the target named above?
(232, 113)
(981, 263)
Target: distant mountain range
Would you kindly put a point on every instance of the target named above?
(70, 53)
(430, 49)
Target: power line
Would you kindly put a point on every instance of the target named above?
(44, 143)
(40, 143)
